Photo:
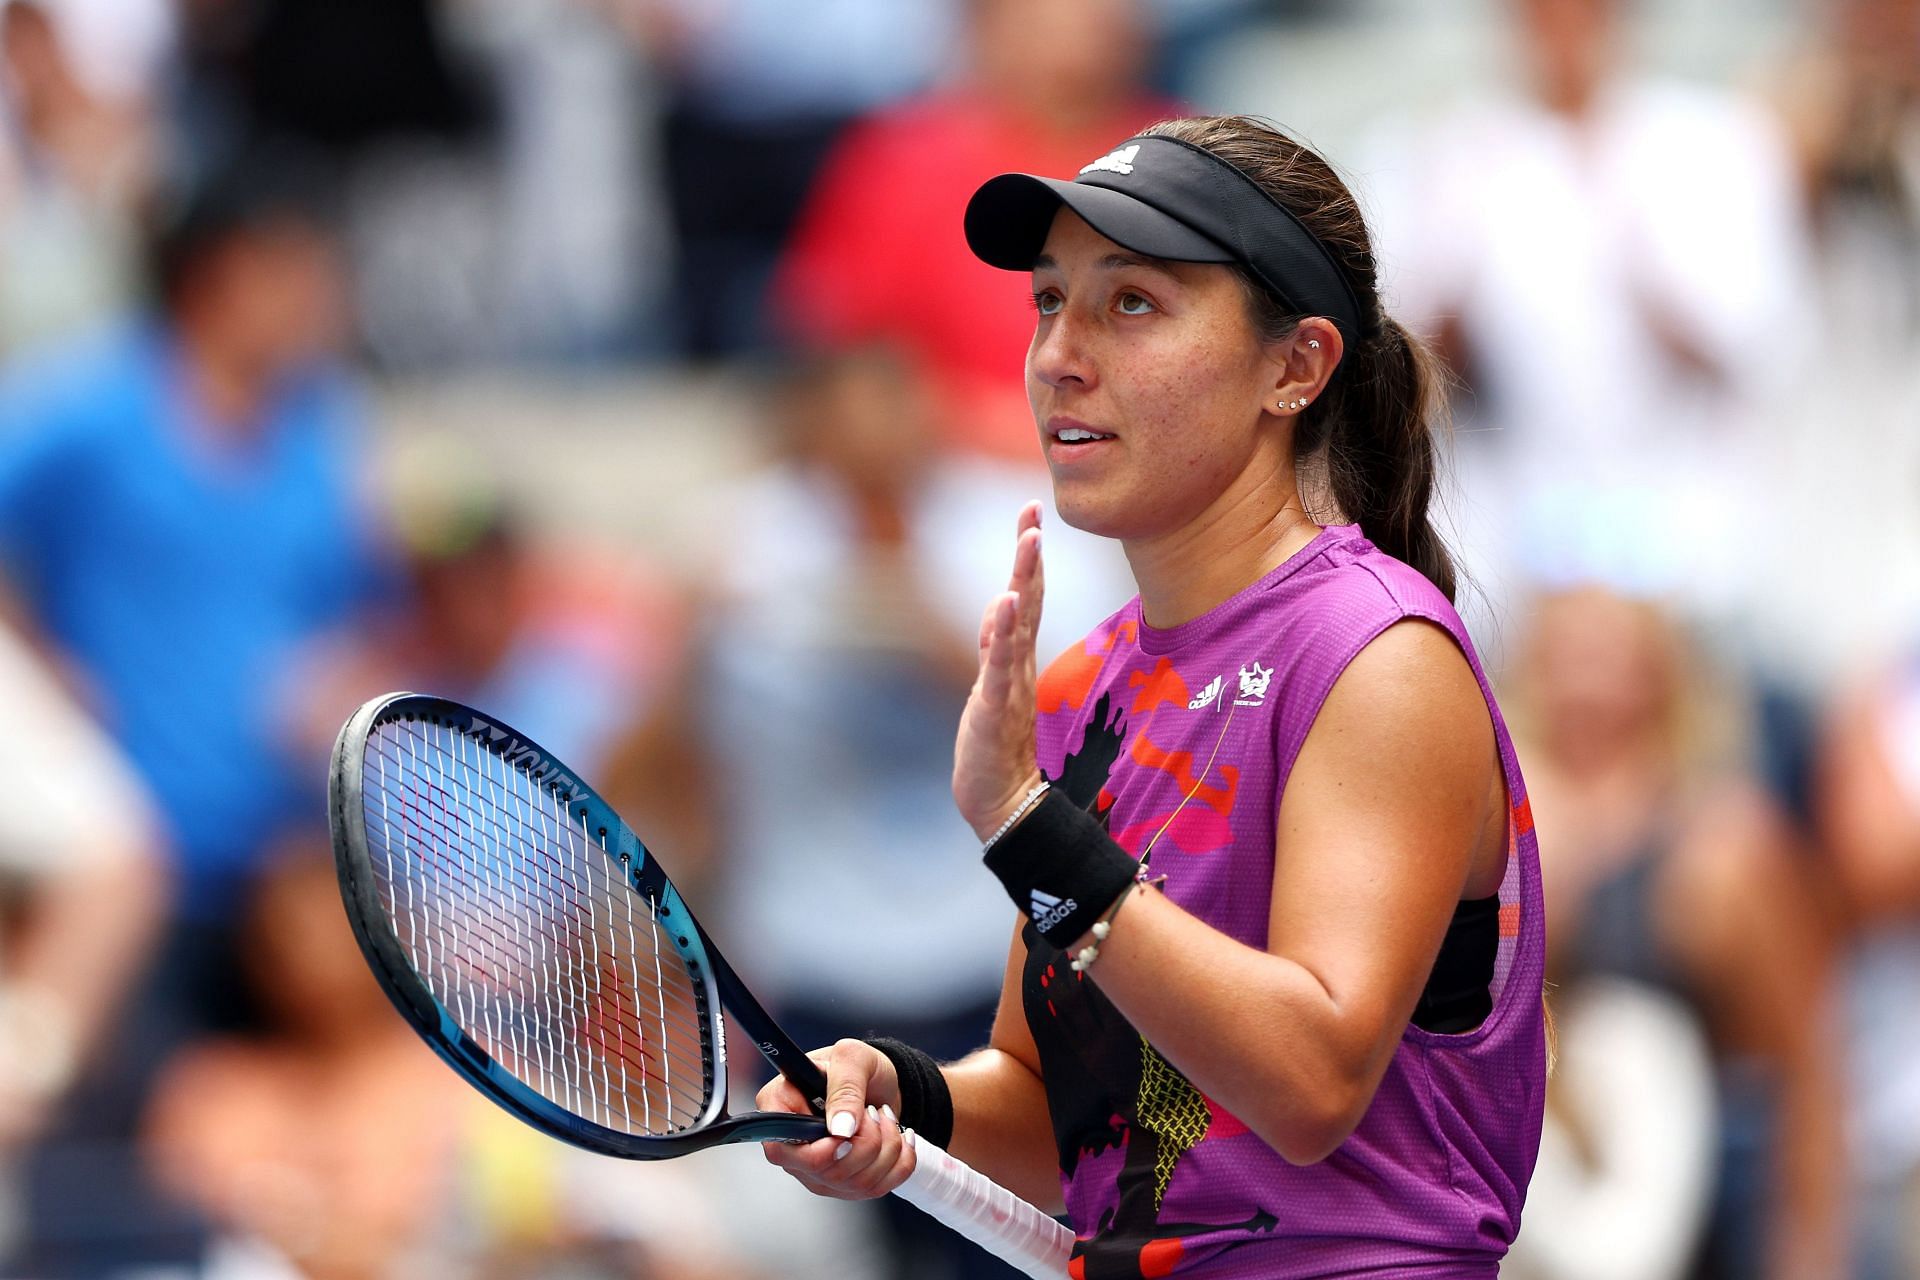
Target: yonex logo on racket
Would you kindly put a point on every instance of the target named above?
(1048, 910)
(1120, 162)
(530, 760)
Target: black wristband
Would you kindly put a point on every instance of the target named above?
(926, 1104)
(1061, 867)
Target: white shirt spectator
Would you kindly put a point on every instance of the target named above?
(1579, 259)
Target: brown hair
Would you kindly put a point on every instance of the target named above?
(1371, 428)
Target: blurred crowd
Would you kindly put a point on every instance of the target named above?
(1682, 307)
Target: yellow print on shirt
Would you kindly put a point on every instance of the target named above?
(1172, 1110)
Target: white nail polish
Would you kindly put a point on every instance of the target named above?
(843, 1124)
(892, 1119)
(840, 1152)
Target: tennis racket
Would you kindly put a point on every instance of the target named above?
(537, 945)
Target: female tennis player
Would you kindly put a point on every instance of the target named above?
(1274, 1006)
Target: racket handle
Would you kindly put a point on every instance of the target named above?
(985, 1212)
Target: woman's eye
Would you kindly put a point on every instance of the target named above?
(1132, 304)
(1046, 303)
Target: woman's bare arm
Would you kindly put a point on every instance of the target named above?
(1394, 792)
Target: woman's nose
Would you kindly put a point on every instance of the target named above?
(1060, 355)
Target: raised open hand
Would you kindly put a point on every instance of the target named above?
(993, 756)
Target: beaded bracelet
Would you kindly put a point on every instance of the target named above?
(1083, 958)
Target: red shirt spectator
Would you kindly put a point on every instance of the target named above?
(879, 256)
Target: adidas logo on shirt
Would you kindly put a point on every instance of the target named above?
(1205, 697)
(1048, 911)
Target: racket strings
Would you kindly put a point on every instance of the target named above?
(564, 966)
(488, 962)
(488, 905)
(526, 932)
(440, 833)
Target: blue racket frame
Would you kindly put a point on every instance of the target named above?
(716, 986)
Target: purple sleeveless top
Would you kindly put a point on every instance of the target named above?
(1181, 740)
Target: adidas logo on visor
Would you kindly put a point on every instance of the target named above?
(1120, 161)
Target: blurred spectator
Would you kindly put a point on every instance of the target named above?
(1614, 263)
(1849, 94)
(1673, 872)
(586, 253)
(331, 1144)
(83, 890)
(381, 89)
(121, 50)
(336, 74)
(1192, 32)
(75, 154)
(759, 90)
(1049, 86)
(329, 1136)
(1852, 102)
(178, 511)
(568, 642)
(814, 732)
(1627, 1151)
(1869, 800)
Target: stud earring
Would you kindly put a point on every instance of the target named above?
(1313, 344)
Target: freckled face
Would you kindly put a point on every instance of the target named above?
(1158, 362)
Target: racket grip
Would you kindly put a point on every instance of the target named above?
(985, 1212)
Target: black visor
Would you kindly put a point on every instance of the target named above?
(1167, 199)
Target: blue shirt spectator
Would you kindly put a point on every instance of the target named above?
(179, 568)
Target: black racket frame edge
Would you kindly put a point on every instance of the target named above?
(410, 997)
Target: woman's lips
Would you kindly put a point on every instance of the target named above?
(1071, 440)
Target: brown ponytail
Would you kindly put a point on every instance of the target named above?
(1371, 429)
(1380, 460)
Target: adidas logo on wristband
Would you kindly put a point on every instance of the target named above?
(1048, 911)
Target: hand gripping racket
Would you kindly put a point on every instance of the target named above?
(534, 942)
